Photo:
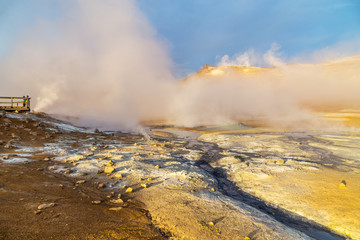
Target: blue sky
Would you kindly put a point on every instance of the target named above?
(198, 31)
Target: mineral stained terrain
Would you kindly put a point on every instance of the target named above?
(59, 181)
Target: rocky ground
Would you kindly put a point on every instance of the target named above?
(61, 181)
(36, 203)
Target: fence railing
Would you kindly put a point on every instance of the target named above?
(15, 103)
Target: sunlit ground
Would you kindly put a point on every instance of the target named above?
(315, 174)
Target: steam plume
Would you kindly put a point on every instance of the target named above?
(100, 60)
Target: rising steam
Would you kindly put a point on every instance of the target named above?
(102, 61)
(99, 60)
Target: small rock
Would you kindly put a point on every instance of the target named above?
(119, 195)
(46, 159)
(124, 186)
(96, 202)
(143, 185)
(88, 154)
(68, 171)
(109, 169)
(46, 205)
(37, 212)
(9, 146)
(247, 238)
(129, 190)
(342, 185)
(60, 185)
(118, 175)
(279, 161)
(13, 135)
(149, 179)
(192, 191)
(117, 201)
(6, 157)
(210, 223)
(213, 189)
(80, 181)
(115, 209)
(101, 185)
(157, 166)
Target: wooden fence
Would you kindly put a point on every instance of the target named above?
(20, 104)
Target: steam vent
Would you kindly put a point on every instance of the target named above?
(216, 120)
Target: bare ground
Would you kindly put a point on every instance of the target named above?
(72, 215)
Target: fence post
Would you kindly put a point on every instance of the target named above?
(11, 102)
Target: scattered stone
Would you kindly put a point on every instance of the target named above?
(117, 201)
(88, 154)
(46, 159)
(123, 187)
(101, 185)
(9, 145)
(60, 185)
(247, 238)
(109, 169)
(96, 202)
(6, 157)
(13, 135)
(157, 166)
(96, 130)
(68, 171)
(39, 169)
(342, 185)
(118, 175)
(119, 195)
(192, 191)
(110, 163)
(100, 171)
(149, 179)
(210, 223)
(143, 185)
(279, 161)
(37, 212)
(115, 209)
(213, 189)
(46, 205)
(129, 190)
(80, 182)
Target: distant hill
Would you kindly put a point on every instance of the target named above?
(329, 85)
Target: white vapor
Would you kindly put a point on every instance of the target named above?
(100, 60)
(272, 57)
